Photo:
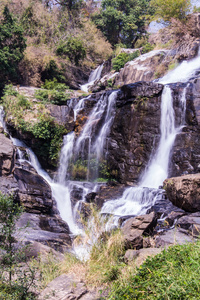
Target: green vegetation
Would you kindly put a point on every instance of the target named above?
(79, 170)
(123, 21)
(121, 59)
(12, 46)
(73, 49)
(35, 119)
(16, 277)
(173, 274)
(171, 9)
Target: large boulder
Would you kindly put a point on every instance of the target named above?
(184, 191)
(34, 192)
(172, 237)
(142, 68)
(48, 230)
(7, 151)
(134, 229)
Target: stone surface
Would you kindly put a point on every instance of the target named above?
(139, 256)
(67, 287)
(47, 230)
(142, 68)
(7, 151)
(135, 131)
(184, 191)
(172, 237)
(134, 229)
(191, 223)
(34, 192)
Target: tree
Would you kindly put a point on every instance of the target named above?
(122, 20)
(12, 46)
(171, 9)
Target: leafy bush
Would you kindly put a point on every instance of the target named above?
(73, 48)
(120, 60)
(147, 48)
(53, 96)
(50, 137)
(54, 85)
(173, 274)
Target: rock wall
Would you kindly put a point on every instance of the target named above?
(136, 130)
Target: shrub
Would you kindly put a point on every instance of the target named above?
(120, 60)
(147, 48)
(73, 48)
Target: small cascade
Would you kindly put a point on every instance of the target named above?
(137, 200)
(184, 72)
(65, 156)
(90, 144)
(95, 75)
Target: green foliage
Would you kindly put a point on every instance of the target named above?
(14, 279)
(52, 91)
(53, 96)
(173, 274)
(122, 20)
(73, 49)
(12, 46)
(49, 135)
(147, 48)
(120, 60)
(53, 71)
(54, 85)
(168, 9)
(196, 9)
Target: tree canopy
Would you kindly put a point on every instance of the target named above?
(168, 9)
(12, 46)
(122, 21)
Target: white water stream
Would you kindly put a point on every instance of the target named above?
(95, 75)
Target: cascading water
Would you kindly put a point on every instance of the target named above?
(137, 200)
(91, 142)
(95, 75)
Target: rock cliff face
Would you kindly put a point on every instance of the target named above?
(136, 130)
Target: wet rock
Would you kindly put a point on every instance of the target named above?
(134, 229)
(7, 151)
(135, 131)
(184, 191)
(172, 237)
(67, 287)
(64, 115)
(34, 192)
(191, 223)
(173, 217)
(50, 231)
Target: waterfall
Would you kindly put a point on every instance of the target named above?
(91, 143)
(137, 200)
(95, 75)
